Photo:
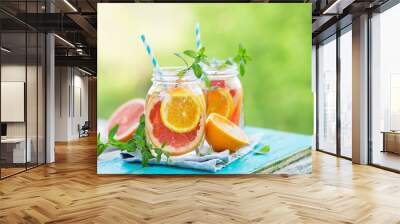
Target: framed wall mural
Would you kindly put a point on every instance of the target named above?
(204, 89)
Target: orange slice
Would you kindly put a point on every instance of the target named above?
(237, 98)
(219, 101)
(223, 134)
(181, 110)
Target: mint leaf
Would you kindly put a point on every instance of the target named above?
(241, 59)
(265, 149)
(159, 153)
(146, 156)
(242, 69)
(101, 147)
(139, 140)
(198, 71)
(207, 81)
(201, 52)
(190, 53)
(141, 130)
(113, 131)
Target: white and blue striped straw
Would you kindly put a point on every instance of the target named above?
(150, 53)
(198, 37)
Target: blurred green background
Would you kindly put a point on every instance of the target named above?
(277, 84)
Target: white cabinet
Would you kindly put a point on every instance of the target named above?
(18, 149)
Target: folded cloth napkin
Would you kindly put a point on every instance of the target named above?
(211, 162)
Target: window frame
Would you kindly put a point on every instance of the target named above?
(339, 32)
(27, 29)
(378, 10)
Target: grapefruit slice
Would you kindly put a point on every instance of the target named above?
(127, 116)
(176, 143)
(223, 134)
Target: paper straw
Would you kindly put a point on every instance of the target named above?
(150, 53)
(198, 37)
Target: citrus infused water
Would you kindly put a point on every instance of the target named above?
(175, 111)
(225, 97)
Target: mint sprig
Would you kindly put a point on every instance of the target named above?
(198, 57)
(100, 145)
(242, 58)
(138, 142)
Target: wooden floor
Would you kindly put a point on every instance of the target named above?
(70, 191)
(5, 172)
(387, 159)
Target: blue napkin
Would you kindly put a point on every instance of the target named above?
(211, 162)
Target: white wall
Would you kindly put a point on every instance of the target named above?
(71, 94)
(62, 81)
(81, 94)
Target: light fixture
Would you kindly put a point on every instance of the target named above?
(84, 71)
(70, 5)
(5, 50)
(80, 51)
(64, 40)
(337, 7)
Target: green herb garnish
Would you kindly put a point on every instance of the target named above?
(198, 57)
(100, 145)
(265, 149)
(241, 59)
(138, 142)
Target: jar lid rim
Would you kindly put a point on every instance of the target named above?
(170, 74)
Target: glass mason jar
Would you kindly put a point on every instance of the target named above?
(175, 111)
(225, 96)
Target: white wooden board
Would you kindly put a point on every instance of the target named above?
(12, 101)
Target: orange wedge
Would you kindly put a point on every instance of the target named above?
(223, 134)
(219, 101)
(181, 110)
